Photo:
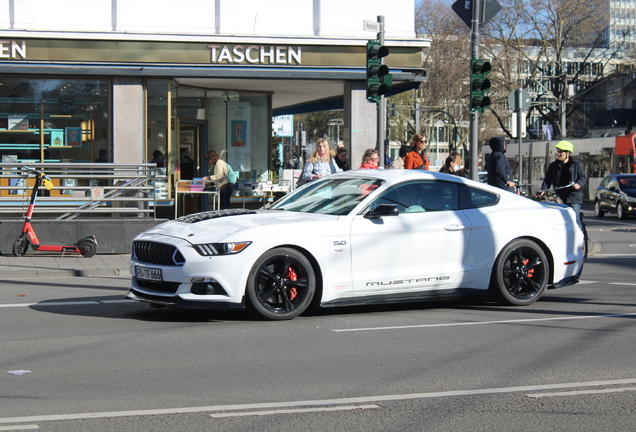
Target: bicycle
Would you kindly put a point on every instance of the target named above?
(550, 195)
(521, 188)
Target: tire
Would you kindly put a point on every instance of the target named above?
(620, 211)
(20, 246)
(597, 210)
(520, 273)
(87, 248)
(281, 285)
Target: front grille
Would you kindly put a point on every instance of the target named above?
(164, 287)
(157, 253)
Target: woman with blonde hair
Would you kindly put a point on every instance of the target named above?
(320, 163)
(370, 159)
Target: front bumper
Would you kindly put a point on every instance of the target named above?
(178, 302)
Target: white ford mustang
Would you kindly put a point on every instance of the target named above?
(359, 237)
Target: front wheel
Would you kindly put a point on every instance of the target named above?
(520, 273)
(87, 248)
(281, 285)
(20, 246)
(620, 211)
(597, 210)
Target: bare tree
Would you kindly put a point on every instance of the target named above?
(556, 49)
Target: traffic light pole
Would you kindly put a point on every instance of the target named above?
(381, 111)
(474, 115)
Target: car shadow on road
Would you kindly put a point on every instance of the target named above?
(117, 307)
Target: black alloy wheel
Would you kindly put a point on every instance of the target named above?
(520, 274)
(281, 285)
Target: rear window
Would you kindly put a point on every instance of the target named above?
(475, 198)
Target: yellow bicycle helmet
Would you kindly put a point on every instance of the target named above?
(565, 146)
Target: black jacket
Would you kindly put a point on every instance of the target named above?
(561, 174)
(499, 172)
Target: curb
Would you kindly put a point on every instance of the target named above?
(24, 274)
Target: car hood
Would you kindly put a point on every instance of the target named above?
(212, 227)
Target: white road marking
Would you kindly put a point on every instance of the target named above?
(585, 392)
(483, 322)
(315, 403)
(21, 427)
(621, 255)
(291, 411)
(622, 283)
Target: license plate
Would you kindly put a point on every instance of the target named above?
(148, 274)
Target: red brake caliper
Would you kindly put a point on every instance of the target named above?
(530, 271)
(292, 276)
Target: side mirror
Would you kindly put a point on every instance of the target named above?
(383, 210)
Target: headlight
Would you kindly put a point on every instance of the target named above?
(213, 249)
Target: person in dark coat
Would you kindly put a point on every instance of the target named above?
(499, 172)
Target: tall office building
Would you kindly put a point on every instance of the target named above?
(620, 17)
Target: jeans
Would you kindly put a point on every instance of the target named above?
(225, 195)
(577, 209)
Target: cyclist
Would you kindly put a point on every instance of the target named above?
(563, 171)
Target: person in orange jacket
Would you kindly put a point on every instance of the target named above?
(415, 159)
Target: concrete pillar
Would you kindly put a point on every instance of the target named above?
(128, 120)
(360, 119)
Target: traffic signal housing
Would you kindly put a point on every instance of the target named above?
(479, 85)
(379, 80)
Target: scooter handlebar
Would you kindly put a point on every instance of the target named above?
(46, 181)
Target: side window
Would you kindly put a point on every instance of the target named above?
(475, 198)
(605, 182)
(423, 196)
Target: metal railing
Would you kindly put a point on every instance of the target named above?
(85, 190)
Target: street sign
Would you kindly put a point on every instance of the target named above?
(373, 26)
(515, 104)
(464, 9)
(97, 194)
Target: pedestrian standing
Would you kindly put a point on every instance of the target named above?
(499, 172)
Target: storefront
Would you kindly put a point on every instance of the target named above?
(128, 101)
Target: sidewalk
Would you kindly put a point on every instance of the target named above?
(49, 265)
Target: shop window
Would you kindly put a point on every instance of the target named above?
(54, 119)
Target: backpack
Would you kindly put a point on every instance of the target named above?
(232, 176)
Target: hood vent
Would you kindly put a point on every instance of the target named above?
(200, 217)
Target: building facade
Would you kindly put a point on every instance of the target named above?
(145, 81)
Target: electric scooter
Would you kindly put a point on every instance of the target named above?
(86, 246)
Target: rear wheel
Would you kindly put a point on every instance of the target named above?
(597, 210)
(620, 211)
(87, 248)
(281, 285)
(520, 273)
(20, 246)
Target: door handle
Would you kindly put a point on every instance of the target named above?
(454, 227)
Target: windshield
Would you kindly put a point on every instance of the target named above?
(333, 196)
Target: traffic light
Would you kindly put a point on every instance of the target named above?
(479, 85)
(379, 80)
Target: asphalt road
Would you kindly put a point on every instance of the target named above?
(97, 362)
